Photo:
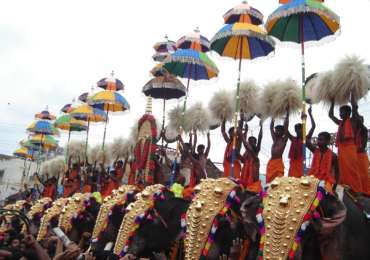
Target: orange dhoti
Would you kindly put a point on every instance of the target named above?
(348, 166)
(227, 169)
(363, 168)
(275, 168)
(296, 168)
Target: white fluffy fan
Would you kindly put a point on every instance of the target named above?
(198, 118)
(97, 155)
(288, 95)
(221, 106)
(351, 77)
(176, 119)
(266, 99)
(277, 96)
(56, 166)
(117, 149)
(322, 91)
(76, 150)
(248, 94)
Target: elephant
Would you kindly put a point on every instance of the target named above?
(163, 232)
(340, 233)
(113, 211)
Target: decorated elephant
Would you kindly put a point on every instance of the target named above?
(203, 229)
(300, 219)
(13, 220)
(152, 223)
(109, 220)
(79, 215)
(50, 219)
(36, 213)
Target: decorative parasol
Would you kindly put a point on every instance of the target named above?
(158, 70)
(70, 124)
(243, 13)
(241, 41)
(90, 114)
(190, 64)
(110, 83)
(24, 153)
(111, 102)
(42, 127)
(164, 87)
(67, 108)
(46, 142)
(45, 115)
(298, 22)
(83, 97)
(163, 49)
(195, 41)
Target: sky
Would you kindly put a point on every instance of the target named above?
(52, 51)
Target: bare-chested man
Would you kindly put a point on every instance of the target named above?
(251, 167)
(279, 133)
(228, 156)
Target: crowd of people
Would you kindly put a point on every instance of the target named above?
(348, 168)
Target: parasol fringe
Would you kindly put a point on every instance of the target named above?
(221, 106)
(263, 36)
(190, 60)
(304, 9)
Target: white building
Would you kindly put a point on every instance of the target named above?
(12, 171)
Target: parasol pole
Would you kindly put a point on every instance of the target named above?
(236, 113)
(105, 129)
(304, 119)
(163, 117)
(69, 138)
(87, 137)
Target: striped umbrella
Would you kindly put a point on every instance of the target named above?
(46, 142)
(195, 41)
(24, 153)
(163, 49)
(111, 102)
(42, 127)
(303, 22)
(90, 114)
(45, 115)
(191, 65)
(83, 97)
(30, 146)
(67, 108)
(158, 70)
(110, 83)
(241, 41)
(164, 87)
(70, 124)
(243, 13)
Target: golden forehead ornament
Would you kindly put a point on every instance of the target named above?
(210, 198)
(287, 202)
(117, 198)
(144, 201)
